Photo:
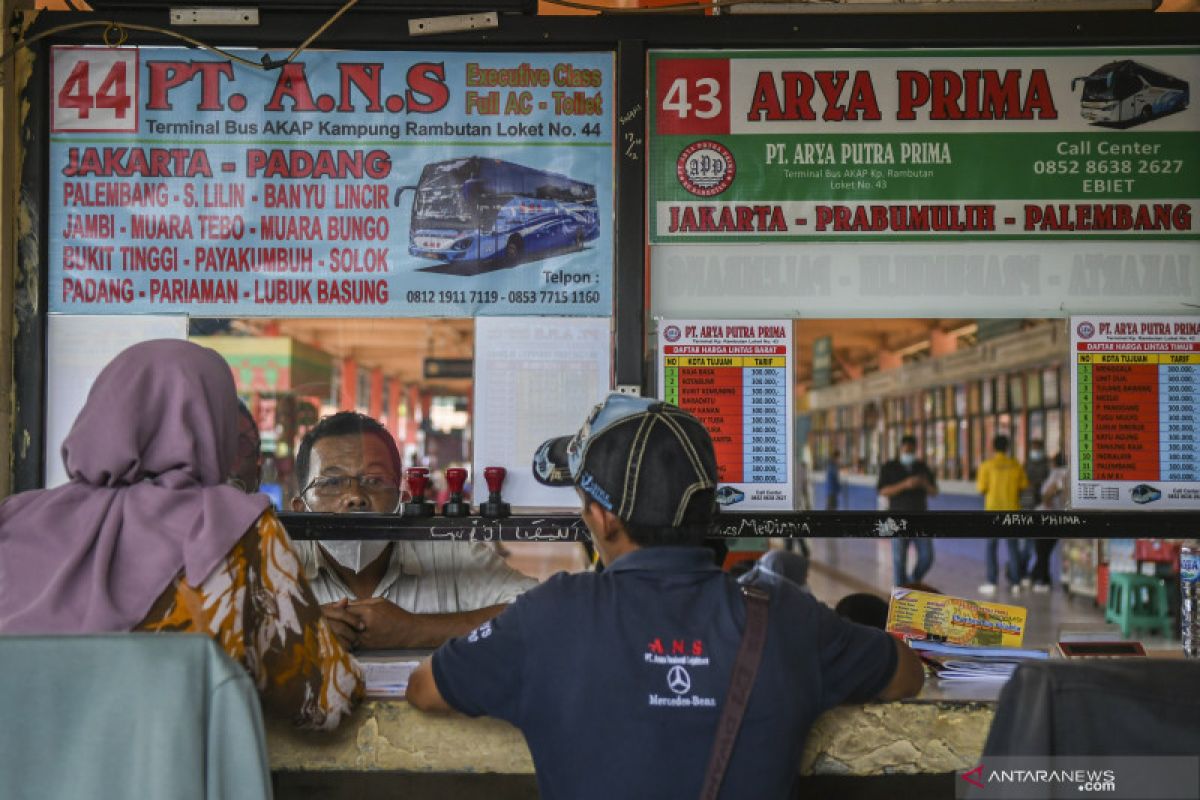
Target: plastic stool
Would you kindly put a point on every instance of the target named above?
(1138, 601)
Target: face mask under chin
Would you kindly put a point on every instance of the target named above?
(354, 555)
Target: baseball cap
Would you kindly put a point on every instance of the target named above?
(648, 462)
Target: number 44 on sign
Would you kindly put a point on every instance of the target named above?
(93, 89)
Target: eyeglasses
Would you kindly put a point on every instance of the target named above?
(328, 486)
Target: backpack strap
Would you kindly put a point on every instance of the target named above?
(741, 682)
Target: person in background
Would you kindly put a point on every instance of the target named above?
(1000, 480)
(833, 481)
(907, 483)
(1055, 491)
(247, 466)
(148, 507)
(1037, 469)
(632, 665)
(388, 595)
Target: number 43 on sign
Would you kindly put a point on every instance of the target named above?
(692, 95)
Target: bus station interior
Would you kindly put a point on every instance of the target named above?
(907, 352)
(953, 383)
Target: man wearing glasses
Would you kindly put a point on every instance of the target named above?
(385, 595)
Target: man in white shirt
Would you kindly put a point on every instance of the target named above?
(377, 594)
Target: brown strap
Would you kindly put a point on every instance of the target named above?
(745, 668)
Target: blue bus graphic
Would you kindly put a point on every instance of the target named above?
(1129, 92)
(478, 209)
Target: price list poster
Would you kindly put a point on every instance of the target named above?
(1136, 387)
(735, 376)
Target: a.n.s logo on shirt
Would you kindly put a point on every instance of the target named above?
(678, 647)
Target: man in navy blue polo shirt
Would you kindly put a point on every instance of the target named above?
(629, 668)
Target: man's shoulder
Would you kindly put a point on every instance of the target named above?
(560, 588)
(785, 594)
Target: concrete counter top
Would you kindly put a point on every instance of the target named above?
(929, 735)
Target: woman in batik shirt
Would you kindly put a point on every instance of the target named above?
(146, 536)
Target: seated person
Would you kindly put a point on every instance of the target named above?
(379, 594)
(148, 507)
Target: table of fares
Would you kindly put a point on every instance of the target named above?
(736, 377)
(742, 400)
(1137, 416)
(1137, 390)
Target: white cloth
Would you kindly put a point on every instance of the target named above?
(427, 577)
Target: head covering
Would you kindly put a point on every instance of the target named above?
(648, 462)
(147, 457)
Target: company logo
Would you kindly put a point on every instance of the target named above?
(1039, 780)
(1144, 493)
(678, 680)
(672, 333)
(1086, 330)
(705, 168)
(588, 483)
(727, 496)
(1037, 777)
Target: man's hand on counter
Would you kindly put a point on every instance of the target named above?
(344, 623)
(379, 624)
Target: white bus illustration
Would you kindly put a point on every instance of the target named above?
(1129, 92)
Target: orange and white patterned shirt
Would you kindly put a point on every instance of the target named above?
(259, 608)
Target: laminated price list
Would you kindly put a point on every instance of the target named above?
(1137, 416)
(1135, 393)
(735, 376)
(741, 400)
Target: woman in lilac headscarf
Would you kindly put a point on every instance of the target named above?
(147, 536)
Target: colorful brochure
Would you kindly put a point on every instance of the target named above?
(954, 620)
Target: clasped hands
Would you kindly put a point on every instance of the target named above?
(370, 624)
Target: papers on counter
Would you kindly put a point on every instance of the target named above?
(994, 653)
(386, 677)
(954, 670)
(958, 663)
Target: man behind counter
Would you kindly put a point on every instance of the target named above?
(383, 595)
(631, 666)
